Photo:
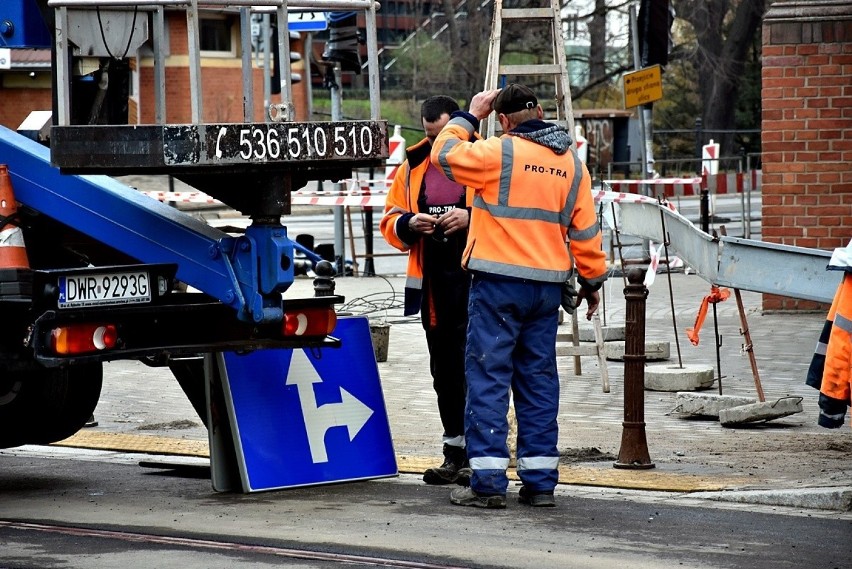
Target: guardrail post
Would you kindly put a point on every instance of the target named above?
(633, 453)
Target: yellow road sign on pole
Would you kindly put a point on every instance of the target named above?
(642, 86)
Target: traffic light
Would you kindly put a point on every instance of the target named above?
(343, 41)
(655, 23)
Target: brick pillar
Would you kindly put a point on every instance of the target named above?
(807, 129)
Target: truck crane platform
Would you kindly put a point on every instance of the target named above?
(106, 262)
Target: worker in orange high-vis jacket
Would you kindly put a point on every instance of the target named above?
(532, 194)
(427, 216)
(831, 367)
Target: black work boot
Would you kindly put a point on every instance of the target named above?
(455, 469)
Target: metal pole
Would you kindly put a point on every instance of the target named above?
(718, 345)
(63, 71)
(248, 68)
(637, 64)
(746, 333)
(666, 243)
(286, 111)
(339, 222)
(369, 264)
(741, 174)
(194, 31)
(373, 63)
(633, 453)
(643, 152)
(160, 66)
(267, 64)
(704, 204)
(748, 188)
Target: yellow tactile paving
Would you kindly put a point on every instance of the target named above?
(605, 476)
(124, 442)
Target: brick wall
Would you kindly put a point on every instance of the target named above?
(21, 97)
(807, 129)
(221, 85)
(221, 89)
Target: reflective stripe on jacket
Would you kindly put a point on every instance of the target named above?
(400, 205)
(528, 200)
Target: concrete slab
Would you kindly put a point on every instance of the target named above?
(765, 411)
(654, 351)
(708, 404)
(610, 334)
(678, 378)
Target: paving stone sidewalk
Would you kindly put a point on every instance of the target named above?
(792, 454)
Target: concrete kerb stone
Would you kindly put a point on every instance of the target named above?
(707, 404)
(830, 498)
(762, 411)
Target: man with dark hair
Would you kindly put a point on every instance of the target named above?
(427, 216)
(532, 193)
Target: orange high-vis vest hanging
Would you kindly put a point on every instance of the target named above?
(716, 295)
(13, 253)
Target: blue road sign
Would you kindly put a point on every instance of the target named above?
(314, 416)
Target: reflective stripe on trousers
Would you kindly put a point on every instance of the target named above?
(512, 345)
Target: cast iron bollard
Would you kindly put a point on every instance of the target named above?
(634, 446)
(324, 281)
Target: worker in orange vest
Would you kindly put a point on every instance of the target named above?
(427, 216)
(831, 367)
(532, 194)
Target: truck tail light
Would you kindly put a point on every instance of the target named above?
(83, 338)
(318, 321)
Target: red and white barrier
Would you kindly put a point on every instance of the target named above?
(183, 197)
(359, 193)
(717, 184)
(668, 187)
(372, 193)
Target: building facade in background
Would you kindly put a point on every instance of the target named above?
(807, 129)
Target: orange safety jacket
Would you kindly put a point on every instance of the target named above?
(831, 367)
(529, 200)
(402, 199)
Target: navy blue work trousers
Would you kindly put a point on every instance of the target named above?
(511, 344)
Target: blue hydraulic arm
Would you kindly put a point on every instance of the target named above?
(248, 273)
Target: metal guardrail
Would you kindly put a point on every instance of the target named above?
(746, 264)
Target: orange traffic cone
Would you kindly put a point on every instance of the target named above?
(13, 253)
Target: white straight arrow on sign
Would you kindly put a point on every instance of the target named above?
(350, 412)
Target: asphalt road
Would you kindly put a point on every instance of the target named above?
(72, 508)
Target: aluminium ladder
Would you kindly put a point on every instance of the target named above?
(556, 71)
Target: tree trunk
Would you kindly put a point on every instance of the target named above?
(597, 35)
(720, 58)
(455, 38)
